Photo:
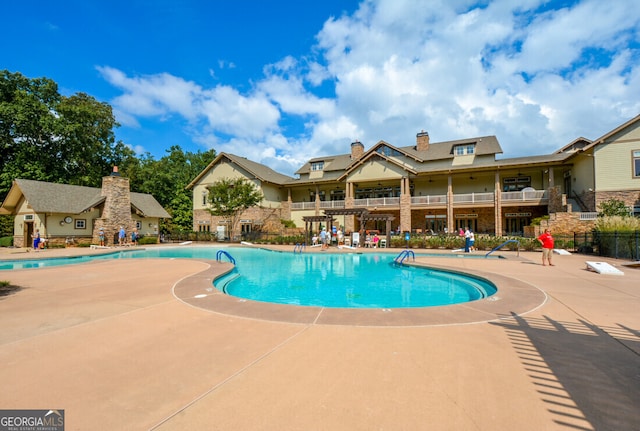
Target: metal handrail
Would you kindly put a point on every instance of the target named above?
(404, 254)
(221, 253)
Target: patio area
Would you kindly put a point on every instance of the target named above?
(120, 344)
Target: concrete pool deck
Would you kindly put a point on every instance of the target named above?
(111, 344)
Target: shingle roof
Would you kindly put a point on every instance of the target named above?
(260, 171)
(64, 198)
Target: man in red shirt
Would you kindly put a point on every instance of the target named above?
(547, 247)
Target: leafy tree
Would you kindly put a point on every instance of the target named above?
(613, 207)
(167, 180)
(28, 128)
(230, 197)
(48, 137)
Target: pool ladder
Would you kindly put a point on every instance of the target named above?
(404, 254)
(299, 247)
(221, 253)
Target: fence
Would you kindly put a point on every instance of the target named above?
(618, 244)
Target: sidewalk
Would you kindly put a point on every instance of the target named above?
(110, 343)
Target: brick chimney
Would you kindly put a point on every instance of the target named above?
(357, 150)
(422, 141)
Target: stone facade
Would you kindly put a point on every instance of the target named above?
(631, 198)
(117, 209)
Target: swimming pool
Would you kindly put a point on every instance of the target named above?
(349, 280)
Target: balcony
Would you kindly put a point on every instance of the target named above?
(376, 202)
(534, 197)
(474, 198)
(432, 200)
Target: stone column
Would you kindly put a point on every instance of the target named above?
(116, 210)
(405, 205)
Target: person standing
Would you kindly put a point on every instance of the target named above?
(101, 237)
(547, 247)
(134, 236)
(323, 238)
(467, 239)
(36, 240)
(122, 236)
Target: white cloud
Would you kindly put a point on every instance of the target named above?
(535, 75)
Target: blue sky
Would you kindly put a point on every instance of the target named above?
(281, 82)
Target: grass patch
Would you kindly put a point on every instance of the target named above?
(6, 288)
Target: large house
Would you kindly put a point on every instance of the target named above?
(436, 186)
(66, 214)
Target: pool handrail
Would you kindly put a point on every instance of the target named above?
(503, 244)
(404, 254)
(299, 247)
(221, 253)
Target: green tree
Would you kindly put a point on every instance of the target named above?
(167, 180)
(48, 137)
(230, 197)
(613, 207)
(28, 128)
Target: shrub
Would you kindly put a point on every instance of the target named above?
(536, 221)
(288, 223)
(6, 241)
(617, 224)
(147, 240)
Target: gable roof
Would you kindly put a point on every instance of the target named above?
(260, 171)
(44, 197)
(613, 132)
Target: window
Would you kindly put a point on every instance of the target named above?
(204, 198)
(386, 151)
(81, 223)
(317, 166)
(515, 184)
(636, 163)
(461, 150)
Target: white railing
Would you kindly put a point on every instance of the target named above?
(429, 200)
(376, 202)
(303, 205)
(469, 198)
(331, 204)
(588, 216)
(535, 195)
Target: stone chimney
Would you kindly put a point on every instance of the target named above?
(357, 150)
(116, 211)
(422, 141)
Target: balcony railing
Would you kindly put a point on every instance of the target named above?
(530, 197)
(303, 205)
(429, 200)
(470, 198)
(331, 204)
(376, 202)
(524, 196)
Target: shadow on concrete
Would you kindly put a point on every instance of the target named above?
(6, 290)
(589, 376)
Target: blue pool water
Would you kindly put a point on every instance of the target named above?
(352, 280)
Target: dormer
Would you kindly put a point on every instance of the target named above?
(464, 149)
(317, 166)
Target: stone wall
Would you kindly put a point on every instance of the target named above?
(630, 197)
(561, 224)
(116, 210)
